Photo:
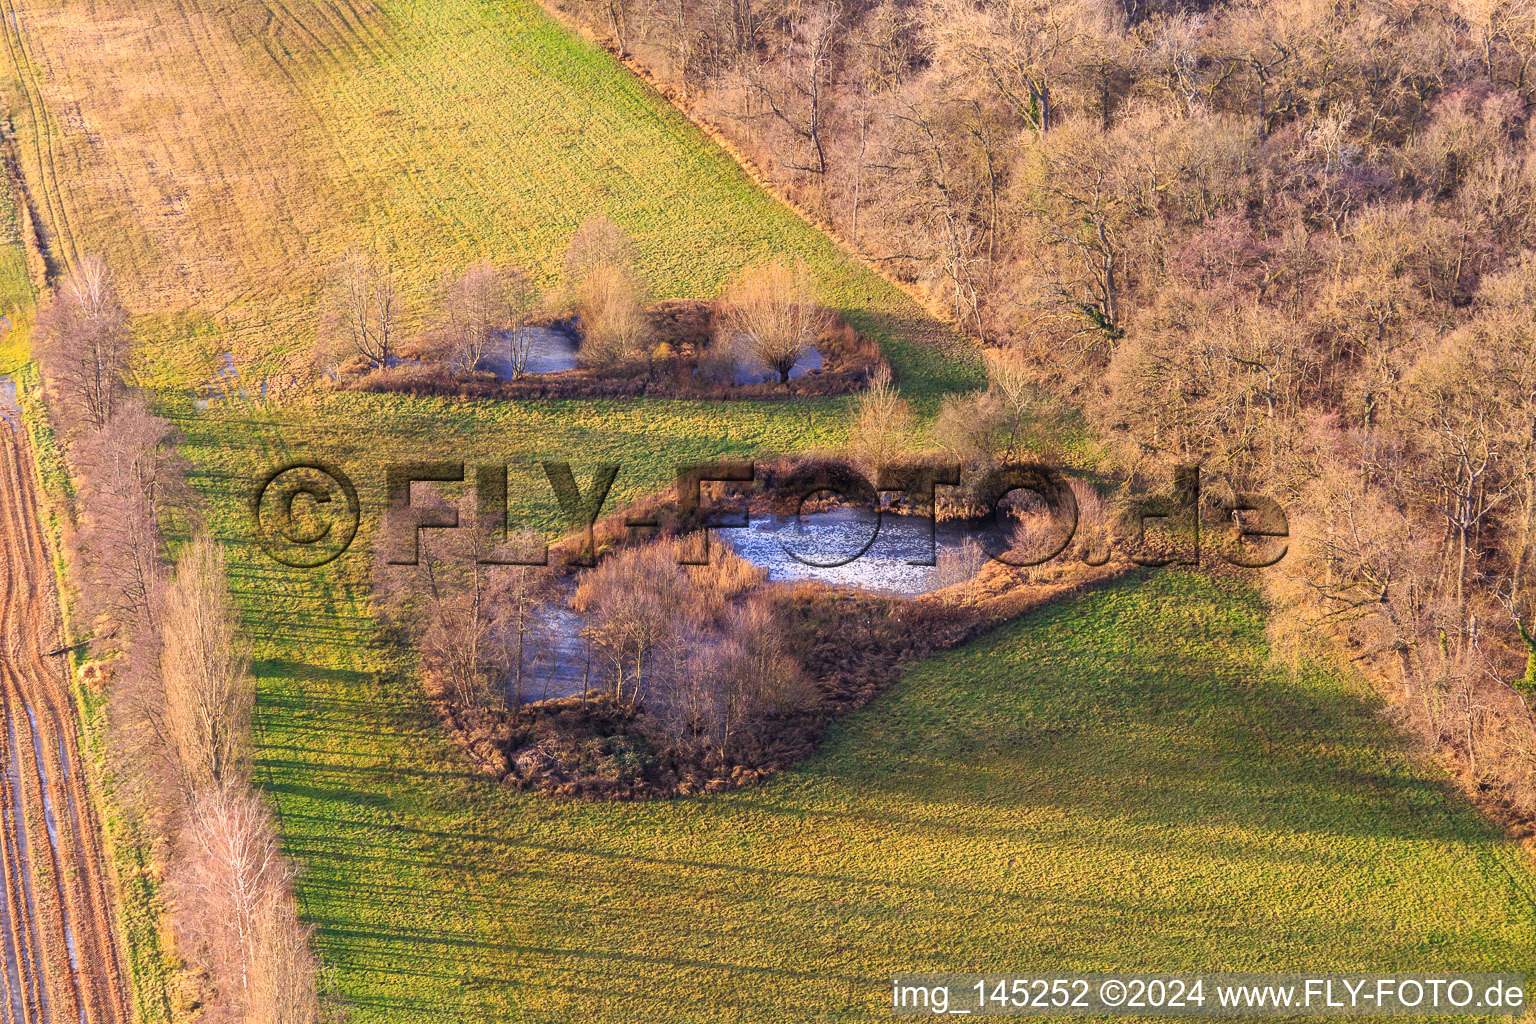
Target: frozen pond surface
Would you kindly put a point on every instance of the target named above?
(750, 370)
(549, 351)
(823, 547)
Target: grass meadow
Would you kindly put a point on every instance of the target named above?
(1125, 781)
(223, 157)
(17, 299)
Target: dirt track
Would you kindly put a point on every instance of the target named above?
(59, 955)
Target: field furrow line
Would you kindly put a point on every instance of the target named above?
(43, 133)
(83, 961)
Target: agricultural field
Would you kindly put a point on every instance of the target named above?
(1065, 793)
(222, 159)
(1127, 781)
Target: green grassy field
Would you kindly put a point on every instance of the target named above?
(1121, 782)
(441, 132)
(17, 301)
(1125, 781)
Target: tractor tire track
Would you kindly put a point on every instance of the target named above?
(58, 937)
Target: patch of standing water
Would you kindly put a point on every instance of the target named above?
(555, 662)
(13, 944)
(51, 825)
(750, 370)
(10, 409)
(548, 351)
(21, 864)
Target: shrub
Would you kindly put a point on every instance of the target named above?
(770, 313)
(883, 425)
(614, 327)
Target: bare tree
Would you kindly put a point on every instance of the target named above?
(974, 429)
(209, 692)
(83, 344)
(883, 425)
(520, 336)
(614, 327)
(939, 202)
(797, 92)
(771, 312)
(485, 303)
(606, 293)
(465, 603)
(363, 319)
(234, 872)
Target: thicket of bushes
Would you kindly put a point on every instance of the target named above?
(1290, 241)
(698, 677)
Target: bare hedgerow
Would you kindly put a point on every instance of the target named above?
(130, 478)
(230, 864)
(204, 668)
(284, 985)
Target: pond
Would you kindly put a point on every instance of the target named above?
(825, 547)
(751, 370)
(815, 547)
(550, 350)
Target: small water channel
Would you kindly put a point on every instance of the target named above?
(10, 408)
